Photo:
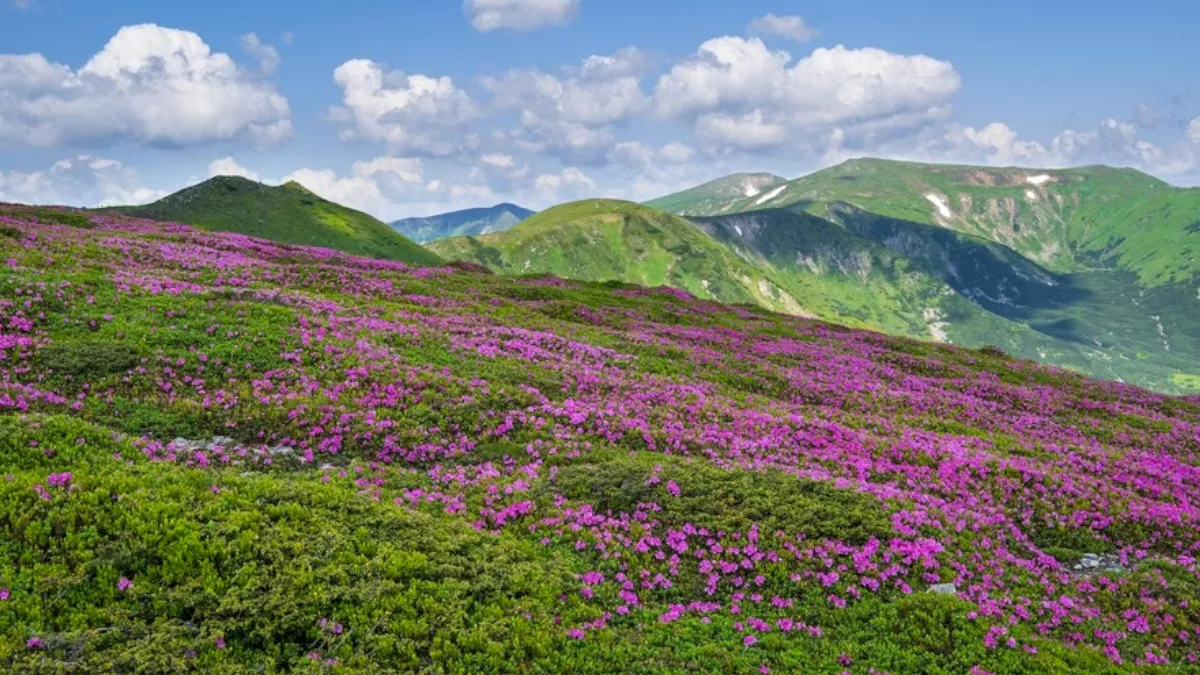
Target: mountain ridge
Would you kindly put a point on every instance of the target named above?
(289, 213)
(861, 248)
(464, 222)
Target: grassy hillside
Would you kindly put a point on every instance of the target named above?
(228, 455)
(287, 213)
(717, 195)
(1092, 268)
(466, 223)
(928, 282)
(1073, 220)
(610, 240)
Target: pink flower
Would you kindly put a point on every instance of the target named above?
(749, 640)
(124, 584)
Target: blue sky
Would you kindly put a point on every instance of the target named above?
(407, 107)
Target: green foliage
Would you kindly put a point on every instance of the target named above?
(721, 500)
(288, 214)
(258, 562)
(89, 360)
(50, 216)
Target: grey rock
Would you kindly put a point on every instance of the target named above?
(944, 589)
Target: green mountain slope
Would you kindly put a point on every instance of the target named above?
(610, 240)
(465, 223)
(717, 195)
(287, 213)
(928, 282)
(1087, 218)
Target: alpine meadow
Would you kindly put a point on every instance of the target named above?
(515, 336)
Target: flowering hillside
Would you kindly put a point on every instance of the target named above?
(222, 454)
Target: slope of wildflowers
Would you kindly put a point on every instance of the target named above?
(222, 454)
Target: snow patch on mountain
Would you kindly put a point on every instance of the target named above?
(937, 327)
(1038, 179)
(770, 195)
(940, 203)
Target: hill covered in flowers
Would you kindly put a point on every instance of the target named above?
(223, 454)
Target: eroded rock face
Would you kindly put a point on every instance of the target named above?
(1102, 563)
(225, 450)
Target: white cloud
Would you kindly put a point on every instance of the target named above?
(676, 153)
(744, 95)
(23, 4)
(1112, 142)
(82, 180)
(1001, 144)
(572, 115)
(267, 56)
(1194, 130)
(521, 15)
(498, 160)
(372, 186)
(149, 85)
(410, 113)
(570, 183)
(227, 166)
(749, 131)
(792, 27)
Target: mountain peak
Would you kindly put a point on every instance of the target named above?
(718, 194)
(230, 182)
(463, 223)
(288, 213)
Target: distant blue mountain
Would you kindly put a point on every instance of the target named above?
(466, 223)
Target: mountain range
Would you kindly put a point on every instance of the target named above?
(1091, 268)
(465, 223)
(287, 213)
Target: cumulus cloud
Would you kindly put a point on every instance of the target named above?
(1194, 130)
(520, 15)
(572, 114)
(148, 85)
(791, 27)
(1112, 141)
(375, 186)
(742, 94)
(81, 180)
(748, 132)
(566, 185)
(266, 55)
(228, 166)
(676, 153)
(411, 114)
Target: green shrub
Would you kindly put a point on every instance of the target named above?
(89, 360)
(724, 500)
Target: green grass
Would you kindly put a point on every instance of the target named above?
(288, 214)
(611, 240)
(714, 196)
(1085, 218)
